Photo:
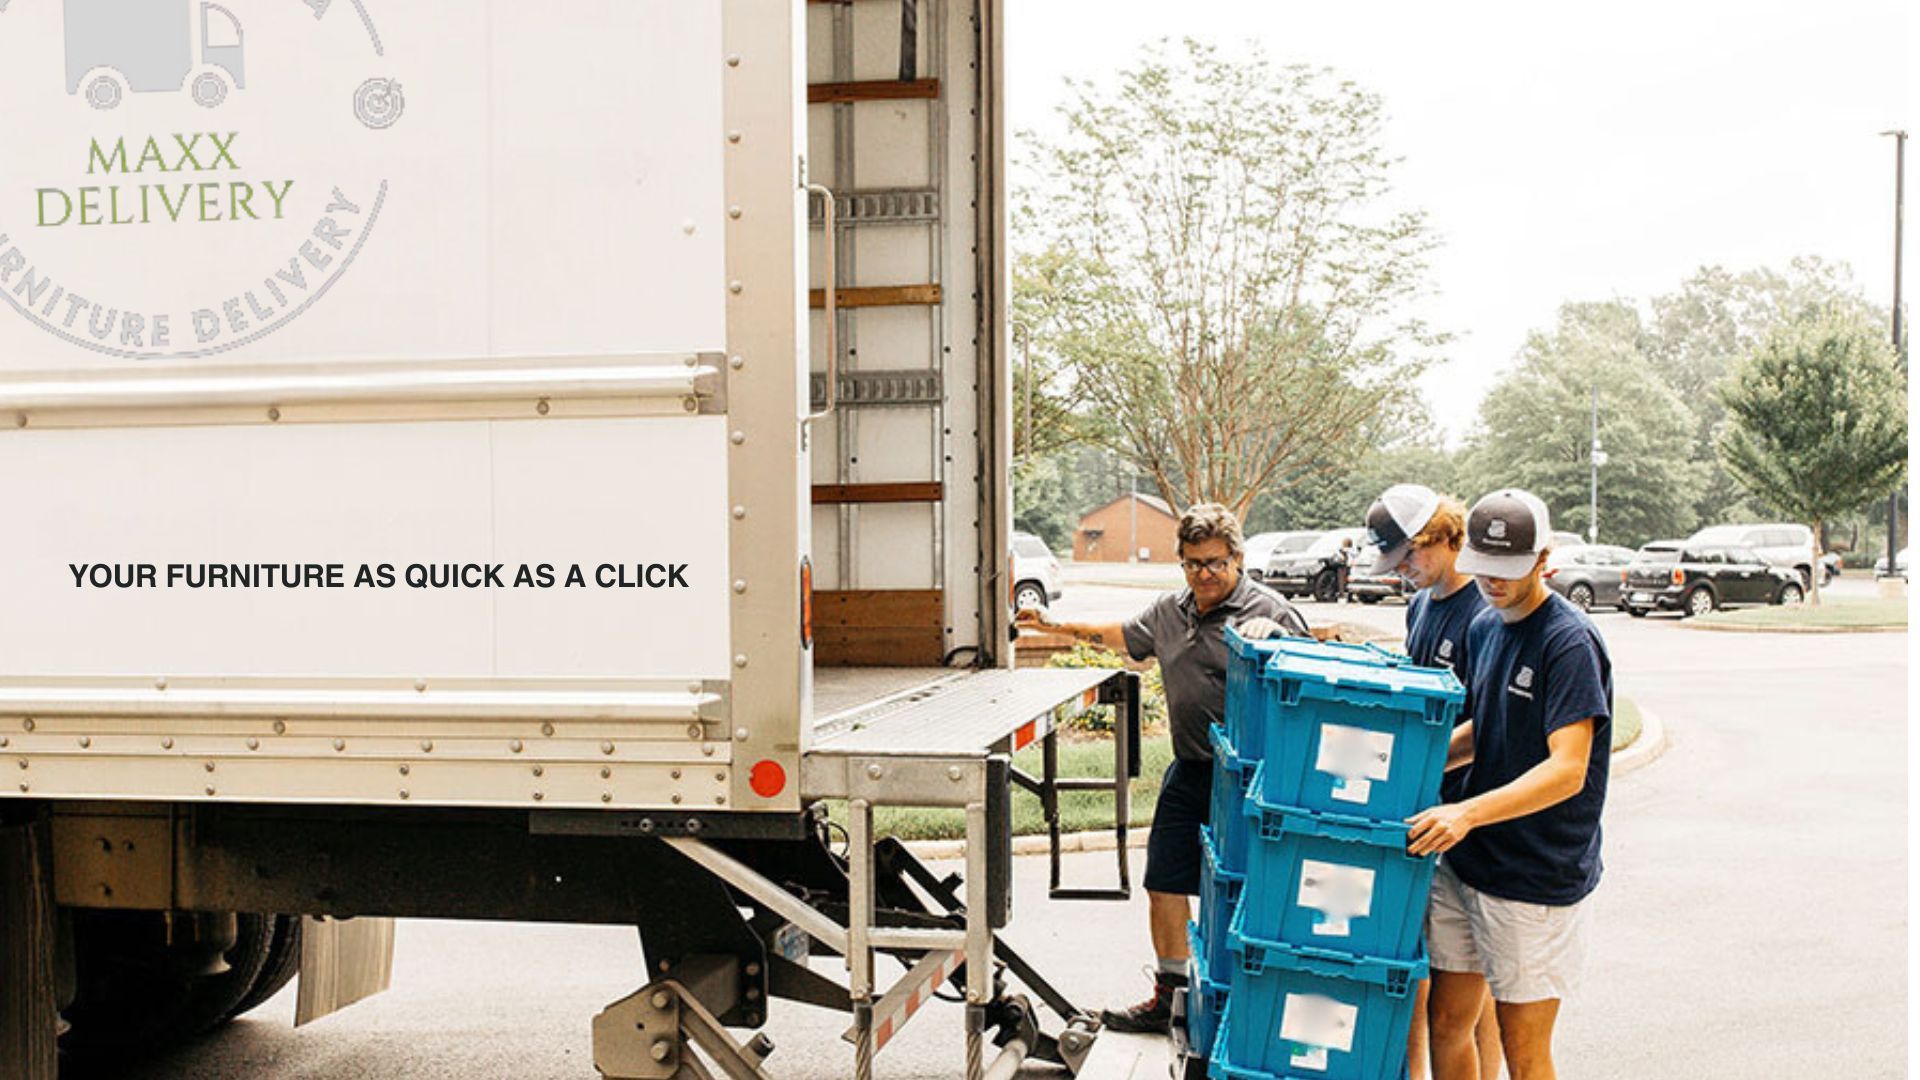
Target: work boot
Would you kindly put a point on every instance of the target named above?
(1153, 1016)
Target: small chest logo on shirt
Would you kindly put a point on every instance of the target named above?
(1523, 683)
(1446, 649)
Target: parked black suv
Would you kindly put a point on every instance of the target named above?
(1696, 579)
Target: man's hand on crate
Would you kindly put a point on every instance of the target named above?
(1437, 828)
(1260, 628)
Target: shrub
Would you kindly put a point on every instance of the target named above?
(1153, 697)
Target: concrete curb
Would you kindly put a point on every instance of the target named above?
(1724, 628)
(1644, 750)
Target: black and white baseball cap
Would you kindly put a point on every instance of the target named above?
(1506, 532)
(1395, 518)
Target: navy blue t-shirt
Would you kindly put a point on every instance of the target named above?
(1530, 679)
(1437, 637)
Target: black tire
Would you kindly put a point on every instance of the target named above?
(1638, 613)
(1326, 587)
(1806, 576)
(133, 1002)
(1581, 596)
(1029, 594)
(210, 1001)
(282, 964)
(1368, 598)
(1790, 594)
(1699, 601)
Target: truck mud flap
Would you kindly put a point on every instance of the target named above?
(342, 961)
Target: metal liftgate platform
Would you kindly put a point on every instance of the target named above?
(943, 739)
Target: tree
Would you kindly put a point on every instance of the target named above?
(1338, 500)
(1535, 429)
(1213, 278)
(1818, 419)
(1702, 331)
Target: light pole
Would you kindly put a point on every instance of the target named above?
(1595, 459)
(1899, 222)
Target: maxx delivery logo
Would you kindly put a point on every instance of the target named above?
(189, 134)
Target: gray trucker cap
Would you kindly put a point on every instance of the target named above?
(1506, 532)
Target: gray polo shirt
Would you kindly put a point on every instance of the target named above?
(1192, 650)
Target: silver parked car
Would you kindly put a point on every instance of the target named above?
(1262, 547)
(1781, 544)
(1036, 573)
(1589, 575)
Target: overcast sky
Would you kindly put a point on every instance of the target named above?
(1572, 152)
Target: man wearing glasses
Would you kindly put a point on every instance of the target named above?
(1186, 632)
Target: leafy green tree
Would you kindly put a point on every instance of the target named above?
(1338, 500)
(1210, 277)
(1818, 419)
(1535, 429)
(1716, 318)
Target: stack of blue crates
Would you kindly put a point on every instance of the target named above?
(1308, 946)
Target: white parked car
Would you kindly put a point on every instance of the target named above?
(1036, 573)
(1262, 547)
(1899, 565)
(1781, 544)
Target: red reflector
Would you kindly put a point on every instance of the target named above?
(1025, 735)
(767, 779)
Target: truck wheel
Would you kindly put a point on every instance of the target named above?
(105, 92)
(211, 1001)
(133, 1001)
(1637, 612)
(282, 964)
(208, 89)
(1326, 587)
(1368, 598)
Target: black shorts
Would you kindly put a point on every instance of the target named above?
(1173, 847)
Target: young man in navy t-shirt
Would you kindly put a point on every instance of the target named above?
(1418, 534)
(1522, 843)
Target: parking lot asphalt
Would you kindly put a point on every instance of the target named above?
(1753, 919)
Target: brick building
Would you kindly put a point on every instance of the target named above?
(1111, 533)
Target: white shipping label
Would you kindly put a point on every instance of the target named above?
(1340, 893)
(1316, 1024)
(1357, 756)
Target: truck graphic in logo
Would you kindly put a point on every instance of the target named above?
(149, 46)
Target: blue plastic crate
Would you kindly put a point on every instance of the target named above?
(1300, 1012)
(1220, 892)
(1247, 693)
(1351, 735)
(1232, 780)
(1334, 882)
(1206, 999)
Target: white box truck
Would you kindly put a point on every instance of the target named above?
(511, 462)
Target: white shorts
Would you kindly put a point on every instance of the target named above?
(1528, 952)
